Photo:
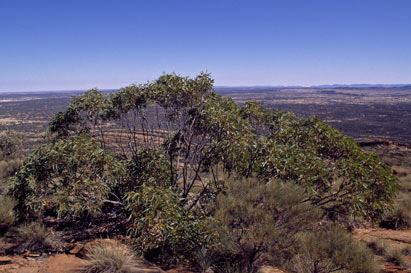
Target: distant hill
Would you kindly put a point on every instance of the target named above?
(277, 87)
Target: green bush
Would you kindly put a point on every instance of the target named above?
(339, 176)
(67, 178)
(331, 249)
(149, 166)
(202, 131)
(110, 257)
(161, 229)
(261, 220)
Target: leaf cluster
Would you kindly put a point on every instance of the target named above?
(65, 178)
(161, 229)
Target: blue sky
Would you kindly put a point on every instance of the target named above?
(65, 45)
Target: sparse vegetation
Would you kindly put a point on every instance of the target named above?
(187, 175)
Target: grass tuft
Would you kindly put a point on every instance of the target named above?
(35, 237)
(110, 257)
(7, 216)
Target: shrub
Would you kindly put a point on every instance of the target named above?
(330, 249)
(378, 247)
(161, 229)
(110, 257)
(35, 237)
(339, 176)
(400, 216)
(67, 178)
(392, 254)
(261, 219)
(395, 256)
(406, 251)
(204, 258)
(149, 166)
(7, 216)
(11, 144)
(7, 169)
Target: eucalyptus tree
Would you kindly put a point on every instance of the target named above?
(204, 135)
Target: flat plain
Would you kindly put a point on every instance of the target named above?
(362, 113)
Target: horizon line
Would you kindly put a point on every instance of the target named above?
(357, 85)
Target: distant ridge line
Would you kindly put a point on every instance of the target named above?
(223, 88)
(362, 85)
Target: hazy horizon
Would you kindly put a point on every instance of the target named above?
(226, 86)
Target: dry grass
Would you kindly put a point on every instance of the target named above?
(7, 216)
(35, 237)
(392, 253)
(110, 257)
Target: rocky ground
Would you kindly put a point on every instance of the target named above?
(75, 259)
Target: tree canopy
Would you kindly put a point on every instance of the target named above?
(207, 137)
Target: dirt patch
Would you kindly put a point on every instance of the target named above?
(43, 264)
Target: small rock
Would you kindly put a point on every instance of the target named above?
(76, 249)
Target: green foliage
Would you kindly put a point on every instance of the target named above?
(331, 249)
(66, 178)
(262, 219)
(149, 166)
(233, 140)
(129, 98)
(85, 112)
(201, 132)
(340, 177)
(110, 257)
(60, 123)
(161, 229)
